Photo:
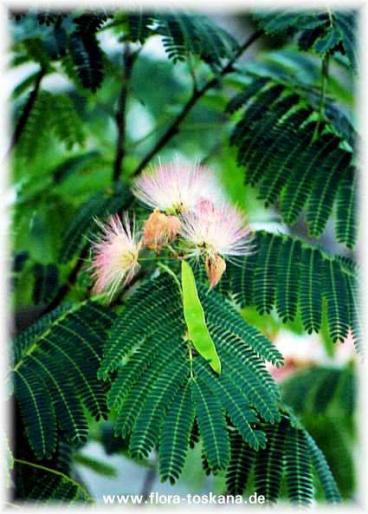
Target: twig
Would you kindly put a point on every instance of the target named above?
(173, 129)
(23, 118)
(120, 116)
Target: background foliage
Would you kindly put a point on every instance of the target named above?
(99, 96)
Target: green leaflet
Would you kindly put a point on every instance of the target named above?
(194, 318)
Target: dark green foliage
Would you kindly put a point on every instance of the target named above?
(238, 471)
(55, 375)
(293, 277)
(87, 59)
(212, 425)
(323, 472)
(157, 372)
(176, 434)
(102, 204)
(290, 456)
(185, 35)
(298, 467)
(269, 462)
(24, 338)
(73, 165)
(346, 210)
(46, 282)
(38, 412)
(346, 24)
(85, 51)
(324, 398)
(277, 146)
(322, 31)
(334, 288)
(139, 26)
(52, 115)
(41, 485)
(321, 391)
(310, 267)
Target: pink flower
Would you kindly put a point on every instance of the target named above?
(175, 188)
(115, 255)
(216, 230)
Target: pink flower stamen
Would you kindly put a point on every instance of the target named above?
(115, 255)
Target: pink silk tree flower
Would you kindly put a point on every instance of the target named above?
(115, 255)
(175, 188)
(212, 230)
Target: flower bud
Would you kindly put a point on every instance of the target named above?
(215, 268)
(159, 229)
(173, 227)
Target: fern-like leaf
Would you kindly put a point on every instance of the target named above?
(37, 411)
(52, 114)
(269, 463)
(284, 159)
(298, 467)
(175, 435)
(87, 58)
(212, 426)
(323, 471)
(334, 288)
(296, 278)
(41, 485)
(322, 31)
(185, 35)
(238, 471)
(55, 370)
(154, 408)
(156, 365)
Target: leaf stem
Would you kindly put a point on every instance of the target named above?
(48, 470)
(170, 272)
(190, 359)
(196, 95)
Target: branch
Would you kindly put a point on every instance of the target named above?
(120, 116)
(22, 121)
(173, 129)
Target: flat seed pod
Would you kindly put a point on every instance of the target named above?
(195, 320)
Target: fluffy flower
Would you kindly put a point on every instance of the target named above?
(175, 188)
(212, 230)
(115, 255)
(159, 229)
